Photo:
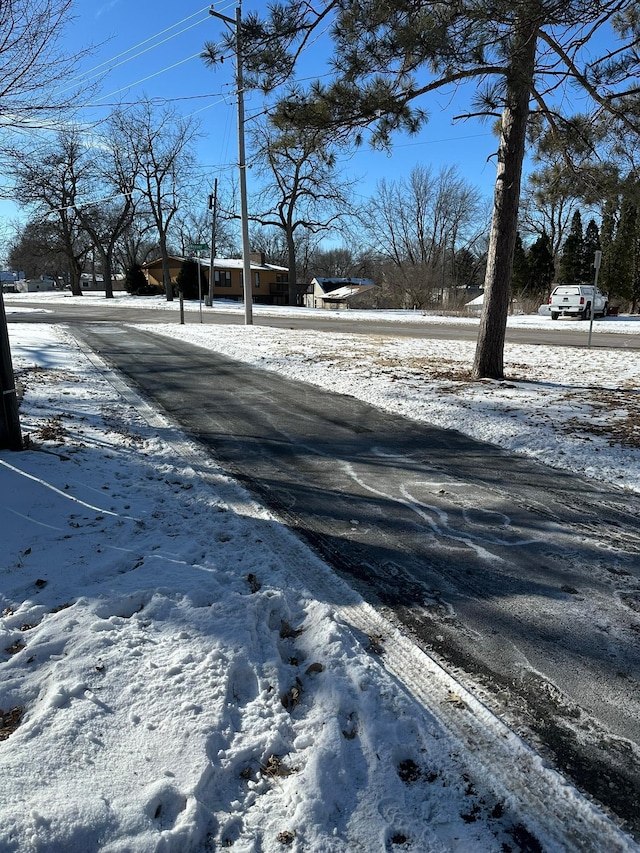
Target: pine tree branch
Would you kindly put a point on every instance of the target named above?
(574, 71)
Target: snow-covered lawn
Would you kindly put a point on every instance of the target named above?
(175, 673)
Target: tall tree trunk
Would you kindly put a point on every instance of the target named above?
(293, 272)
(489, 358)
(75, 271)
(106, 275)
(10, 432)
(166, 273)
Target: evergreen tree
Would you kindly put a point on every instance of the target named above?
(572, 259)
(591, 246)
(607, 278)
(466, 269)
(520, 277)
(541, 267)
(302, 194)
(386, 56)
(626, 246)
(135, 280)
(187, 279)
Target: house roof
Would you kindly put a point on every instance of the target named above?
(341, 293)
(479, 300)
(222, 263)
(330, 284)
(238, 263)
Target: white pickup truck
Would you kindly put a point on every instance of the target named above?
(574, 300)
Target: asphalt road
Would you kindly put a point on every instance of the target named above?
(521, 580)
(73, 311)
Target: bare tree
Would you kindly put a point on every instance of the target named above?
(161, 143)
(193, 223)
(36, 74)
(104, 177)
(31, 65)
(85, 183)
(272, 242)
(45, 175)
(573, 169)
(37, 248)
(547, 209)
(338, 261)
(136, 244)
(419, 224)
(302, 191)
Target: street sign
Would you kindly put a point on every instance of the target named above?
(197, 247)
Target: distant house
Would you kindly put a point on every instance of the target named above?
(35, 285)
(8, 279)
(94, 282)
(474, 308)
(269, 282)
(336, 292)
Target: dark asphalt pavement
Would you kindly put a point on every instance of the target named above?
(522, 580)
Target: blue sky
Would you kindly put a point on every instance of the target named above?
(166, 65)
(151, 48)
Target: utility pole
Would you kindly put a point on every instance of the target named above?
(242, 166)
(196, 248)
(597, 262)
(10, 434)
(213, 207)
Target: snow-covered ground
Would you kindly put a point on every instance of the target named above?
(175, 674)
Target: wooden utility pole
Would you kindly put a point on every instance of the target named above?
(213, 207)
(242, 164)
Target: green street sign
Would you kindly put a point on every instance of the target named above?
(198, 247)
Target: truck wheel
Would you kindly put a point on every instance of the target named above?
(586, 314)
(605, 310)
(554, 315)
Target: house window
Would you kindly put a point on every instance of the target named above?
(282, 277)
(256, 280)
(222, 278)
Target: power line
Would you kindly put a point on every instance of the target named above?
(446, 139)
(136, 55)
(151, 76)
(84, 74)
(157, 100)
(223, 99)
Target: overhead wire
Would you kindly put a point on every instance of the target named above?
(135, 55)
(168, 34)
(158, 100)
(107, 62)
(151, 76)
(149, 44)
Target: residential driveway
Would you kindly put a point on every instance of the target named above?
(521, 580)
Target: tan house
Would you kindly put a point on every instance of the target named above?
(269, 283)
(338, 292)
